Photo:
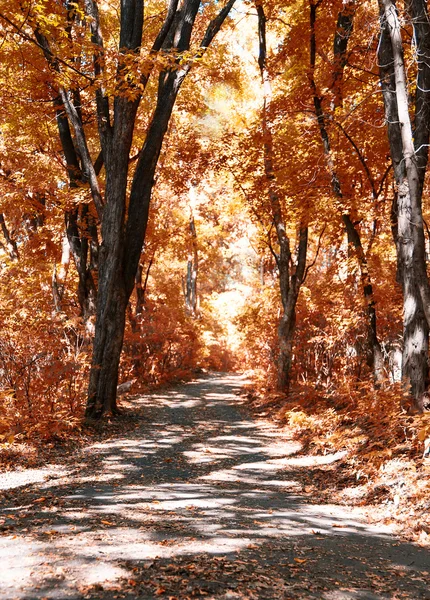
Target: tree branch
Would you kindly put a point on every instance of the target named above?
(53, 57)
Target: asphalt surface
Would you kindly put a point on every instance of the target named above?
(199, 501)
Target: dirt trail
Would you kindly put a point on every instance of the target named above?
(200, 501)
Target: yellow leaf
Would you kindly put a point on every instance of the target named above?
(422, 434)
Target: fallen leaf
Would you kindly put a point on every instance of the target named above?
(159, 591)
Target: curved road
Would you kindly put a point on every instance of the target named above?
(200, 501)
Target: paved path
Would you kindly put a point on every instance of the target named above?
(200, 501)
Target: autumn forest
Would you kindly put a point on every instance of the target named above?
(193, 187)
(240, 189)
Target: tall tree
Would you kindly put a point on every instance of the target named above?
(123, 234)
(122, 207)
(344, 28)
(409, 153)
(291, 273)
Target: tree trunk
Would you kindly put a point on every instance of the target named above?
(123, 234)
(107, 344)
(286, 329)
(81, 236)
(290, 288)
(419, 16)
(191, 300)
(408, 227)
(80, 227)
(291, 275)
(112, 297)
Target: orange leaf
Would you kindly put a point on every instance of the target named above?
(159, 591)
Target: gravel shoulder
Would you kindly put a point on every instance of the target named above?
(199, 501)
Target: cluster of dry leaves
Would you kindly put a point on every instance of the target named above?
(386, 466)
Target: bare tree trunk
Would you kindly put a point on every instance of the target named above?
(80, 226)
(408, 227)
(82, 237)
(289, 297)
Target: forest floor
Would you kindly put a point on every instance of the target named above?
(196, 499)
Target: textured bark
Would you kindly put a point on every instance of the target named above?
(123, 233)
(374, 355)
(289, 297)
(419, 16)
(81, 233)
(408, 228)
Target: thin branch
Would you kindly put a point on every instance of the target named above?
(361, 159)
(310, 265)
(81, 141)
(54, 57)
(384, 177)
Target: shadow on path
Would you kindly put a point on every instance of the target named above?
(199, 502)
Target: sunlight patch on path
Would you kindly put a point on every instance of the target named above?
(14, 479)
(196, 478)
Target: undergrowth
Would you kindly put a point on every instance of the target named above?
(376, 445)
